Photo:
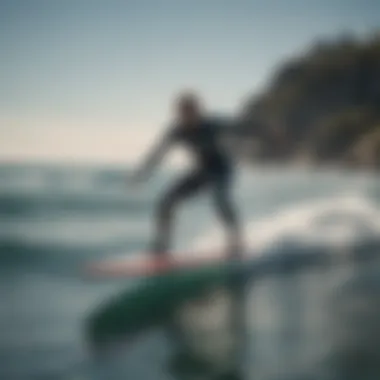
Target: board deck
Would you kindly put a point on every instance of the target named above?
(147, 265)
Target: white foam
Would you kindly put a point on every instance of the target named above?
(333, 222)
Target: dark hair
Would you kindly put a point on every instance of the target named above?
(187, 99)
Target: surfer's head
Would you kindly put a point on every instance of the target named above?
(188, 108)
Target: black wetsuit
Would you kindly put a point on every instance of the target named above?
(213, 170)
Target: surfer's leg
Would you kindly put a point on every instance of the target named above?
(227, 211)
(186, 187)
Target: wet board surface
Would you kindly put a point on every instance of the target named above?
(147, 265)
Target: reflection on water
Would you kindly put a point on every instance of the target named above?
(315, 324)
(319, 322)
(212, 334)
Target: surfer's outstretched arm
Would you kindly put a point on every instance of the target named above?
(154, 157)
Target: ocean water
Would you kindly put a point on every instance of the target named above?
(307, 324)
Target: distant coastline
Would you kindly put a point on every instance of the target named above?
(319, 109)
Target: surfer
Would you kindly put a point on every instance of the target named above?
(213, 170)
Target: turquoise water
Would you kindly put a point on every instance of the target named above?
(55, 219)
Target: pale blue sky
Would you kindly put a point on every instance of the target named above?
(91, 79)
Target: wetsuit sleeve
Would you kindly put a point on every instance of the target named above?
(158, 152)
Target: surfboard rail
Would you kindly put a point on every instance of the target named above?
(148, 265)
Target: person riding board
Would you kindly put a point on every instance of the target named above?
(213, 170)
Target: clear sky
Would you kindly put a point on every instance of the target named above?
(92, 80)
